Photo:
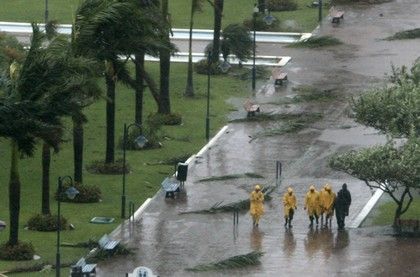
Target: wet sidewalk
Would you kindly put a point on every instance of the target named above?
(168, 242)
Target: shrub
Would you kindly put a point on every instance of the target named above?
(260, 24)
(201, 67)
(87, 194)
(21, 252)
(46, 223)
(169, 119)
(282, 5)
(100, 167)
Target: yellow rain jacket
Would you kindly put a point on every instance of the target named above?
(327, 198)
(257, 203)
(312, 202)
(289, 202)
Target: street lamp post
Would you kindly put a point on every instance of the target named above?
(46, 11)
(254, 19)
(71, 192)
(319, 11)
(141, 141)
(208, 97)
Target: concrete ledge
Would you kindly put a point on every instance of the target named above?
(366, 209)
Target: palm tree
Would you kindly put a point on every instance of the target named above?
(218, 13)
(35, 98)
(164, 106)
(196, 6)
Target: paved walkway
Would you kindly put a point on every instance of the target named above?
(168, 242)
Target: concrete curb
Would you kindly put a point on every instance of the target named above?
(366, 209)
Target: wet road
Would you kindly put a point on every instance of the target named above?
(168, 242)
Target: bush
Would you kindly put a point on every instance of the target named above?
(23, 251)
(260, 24)
(87, 194)
(100, 167)
(201, 67)
(46, 223)
(168, 119)
(282, 5)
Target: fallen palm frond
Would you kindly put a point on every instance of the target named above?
(309, 93)
(291, 126)
(252, 258)
(91, 243)
(232, 176)
(316, 42)
(408, 34)
(241, 205)
(273, 117)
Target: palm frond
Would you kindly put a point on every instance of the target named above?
(232, 176)
(239, 261)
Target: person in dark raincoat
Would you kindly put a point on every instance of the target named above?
(342, 204)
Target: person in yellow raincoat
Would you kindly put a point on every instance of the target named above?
(312, 205)
(327, 197)
(289, 203)
(256, 205)
(322, 195)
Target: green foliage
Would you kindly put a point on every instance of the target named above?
(172, 160)
(87, 193)
(100, 167)
(399, 76)
(394, 110)
(102, 254)
(202, 65)
(316, 42)
(239, 261)
(20, 252)
(46, 223)
(282, 5)
(308, 93)
(169, 119)
(236, 41)
(408, 34)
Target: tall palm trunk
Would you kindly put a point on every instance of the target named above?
(218, 12)
(165, 64)
(110, 118)
(139, 64)
(78, 149)
(189, 90)
(46, 161)
(14, 195)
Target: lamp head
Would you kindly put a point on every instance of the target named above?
(141, 141)
(2, 225)
(71, 192)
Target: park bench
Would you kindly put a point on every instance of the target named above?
(170, 186)
(251, 108)
(336, 15)
(107, 244)
(279, 77)
(81, 268)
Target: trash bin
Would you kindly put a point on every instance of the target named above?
(182, 171)
(76, 271)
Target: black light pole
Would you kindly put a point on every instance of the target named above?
(70, 193)
(319, 11)
(254, 16)
(125, 135)
(208, 97)
(46, 12)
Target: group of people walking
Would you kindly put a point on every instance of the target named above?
(317, 204)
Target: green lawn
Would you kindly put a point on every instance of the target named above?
(383, 212)
(234, 12)
(144, 180)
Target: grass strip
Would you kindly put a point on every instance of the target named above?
(232, 176)
(252, 258)
(316, 42)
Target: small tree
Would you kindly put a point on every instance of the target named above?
(236, 40)
(395, 111)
